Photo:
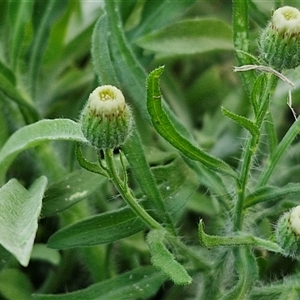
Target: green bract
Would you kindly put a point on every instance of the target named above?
(280, 40)
(288, 232)
(106, 118)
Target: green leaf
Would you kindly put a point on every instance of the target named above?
(42, 252)
(73, 188)
(19, 213)
(164, 260)
(14, 284)
(278, 153)
(135, 155)
(257, 92)
(271, 193)
(35, 134)
(5, 257)
(102, 61)
(210, 241)
(99, 229)
(8, 85)
(154, 16)
(240, 21)
(19, 13)
(177, 183)
(189, 37)
(139, 284)
(165, 128)
(242, 121)
(44, 15)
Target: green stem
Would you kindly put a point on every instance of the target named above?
(250, 150)
(126, 193)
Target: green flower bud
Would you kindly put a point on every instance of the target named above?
(280, 40)
(288, 232)
(106, 119)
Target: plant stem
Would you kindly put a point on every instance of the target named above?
(250, 149)
(126, 193)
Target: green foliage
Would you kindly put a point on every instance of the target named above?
(186, 207)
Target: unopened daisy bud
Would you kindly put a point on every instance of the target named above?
(280, 40)
(288, 232)
(106, 119)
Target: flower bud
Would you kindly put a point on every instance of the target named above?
(288, 232)
(280, 40)
(106, 119)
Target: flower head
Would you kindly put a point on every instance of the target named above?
(280, 40)
(288, 232)
(106, 119)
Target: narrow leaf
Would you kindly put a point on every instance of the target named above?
(164, 260)
(35, 134)
(19, 13)
(141, 171)
(257, 92)
(102, 61)
(242, 121)
(271, 193)
(189, 37)
(154, 17)
(45, 14)
(277, 154)
(99, 229)
(165, 128)
(140, 284)
(210, 241)
(19, 213)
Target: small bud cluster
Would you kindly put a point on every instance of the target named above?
(106, 119)
(280, 40)
(288, 232)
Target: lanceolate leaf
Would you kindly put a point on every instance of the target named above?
(164, 260)
(99, 229)
(165, 128)
(19, 213)
(271, 193)
(139, 284)
(242, 121)
(189, 37)
(235, 240)
(34, 134)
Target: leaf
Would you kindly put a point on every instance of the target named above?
(257, 93)
(140, 284)
(99, 229)
(242, 121)
(164, 260)
(35, 134)
(19, 213)
(189, 37)
(154, 16)
(271, 193)
(177, 183)
(8, 85)
(44, 15)
(141, 171)
(19, 13)
(272, 161)
(14, 284)
(165, 128)
(70, 190)
(102, 61)
(235, 240)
